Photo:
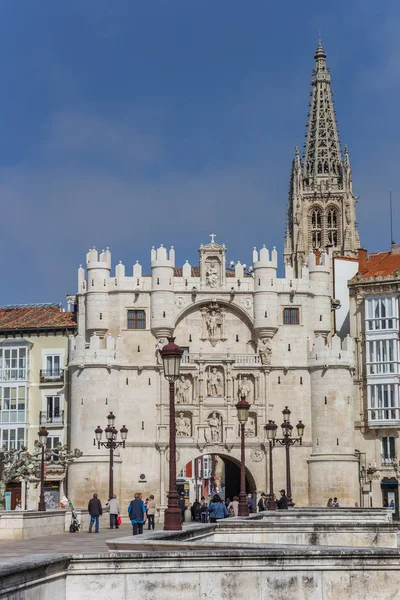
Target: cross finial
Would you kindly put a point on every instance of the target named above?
(212, 236)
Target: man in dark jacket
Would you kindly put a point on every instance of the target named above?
(182, 506)
(283, 501)
(95, 511)
(261, 503)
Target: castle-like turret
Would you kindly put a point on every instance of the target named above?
(319, 275)
(266, 300)
(98, 274)
(333, 465)
(162, 291)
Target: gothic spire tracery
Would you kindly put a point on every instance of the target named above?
(322, 156)
(321, 208)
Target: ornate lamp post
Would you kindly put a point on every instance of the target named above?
(243, 414)
(111, 444)
(43, 433)
(287, 440)
(171, 355)
(271, 428)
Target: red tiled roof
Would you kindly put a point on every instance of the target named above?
(380, 264)
(36, 317)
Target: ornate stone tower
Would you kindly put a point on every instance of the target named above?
(321, 207)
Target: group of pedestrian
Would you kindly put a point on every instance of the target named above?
(139, 512)
(282, 503)
(333, 503)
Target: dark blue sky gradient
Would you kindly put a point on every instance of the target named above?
(128, 124)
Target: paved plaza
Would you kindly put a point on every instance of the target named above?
(69, 543)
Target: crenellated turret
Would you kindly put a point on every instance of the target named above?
(332, 409)
(266, 300)
(98, 274)
(162, 292)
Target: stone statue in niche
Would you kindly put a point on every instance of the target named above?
(215, 383)
(214, 322)
(212, 275)
(244, 388)
(250, 427)
(183, 425)
(214, 433)
(182, 390)
(265, 351)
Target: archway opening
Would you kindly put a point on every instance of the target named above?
(211, 474)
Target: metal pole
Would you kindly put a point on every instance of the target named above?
(243, 506)
(111, 473)
(288, 480)
(172, 520)
(370, 493)
(271, 501)
(42, 505)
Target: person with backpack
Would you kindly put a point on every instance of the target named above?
(137, 514)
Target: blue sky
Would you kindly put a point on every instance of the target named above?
(127, 124)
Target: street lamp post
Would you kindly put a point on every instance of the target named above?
(243, 414)
(271, 428)
(43, 433)
(287, 440)
(111, 444)
(171, 355)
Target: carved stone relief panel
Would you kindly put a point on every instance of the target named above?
(184, 390)
(183, 424)
(245, 388)
(215, 379)
(213, 431)
(213, 323)
(250, 428)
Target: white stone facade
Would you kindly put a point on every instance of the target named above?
(240, 329)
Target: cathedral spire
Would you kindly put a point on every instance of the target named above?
(321, 209)
(322, 156)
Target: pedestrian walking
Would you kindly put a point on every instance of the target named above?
(217, 509)
(113, 506)
(182, 506)
(282, 503)
(250, 503)
(137, 513)
(204, 510)
(233, 508)
(262, 502)
(95, 511)
(151, 511)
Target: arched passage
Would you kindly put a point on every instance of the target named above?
(207, 474)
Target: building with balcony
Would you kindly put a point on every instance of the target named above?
(374, 319)
(33, 379)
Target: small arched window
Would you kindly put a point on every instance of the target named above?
(332, 222)
(316, 227)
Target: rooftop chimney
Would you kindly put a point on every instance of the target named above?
(362, 260)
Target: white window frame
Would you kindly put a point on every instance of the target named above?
(14, 366)
(10, 412)
(6, 433)
(388, 450)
